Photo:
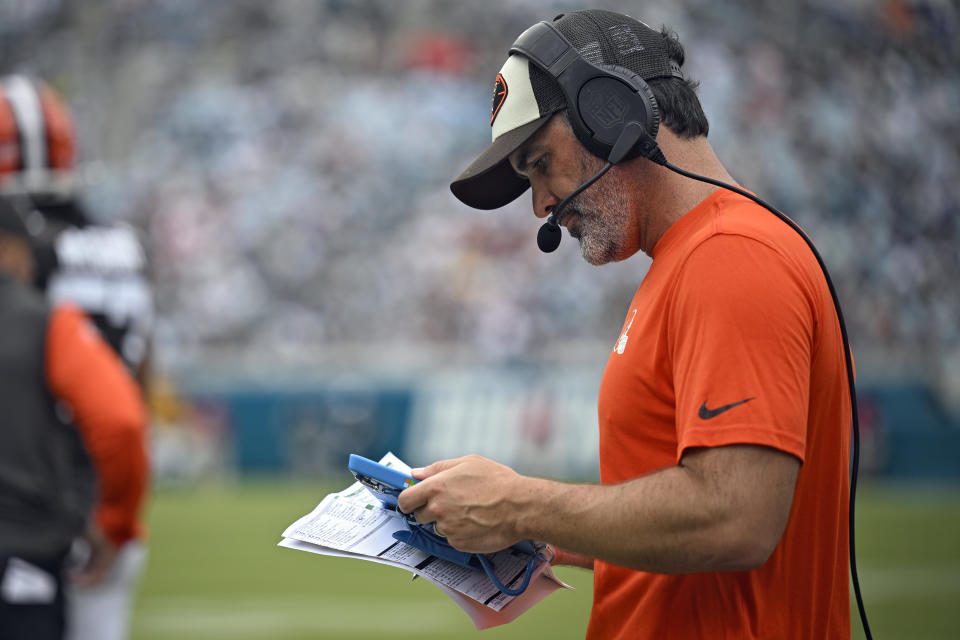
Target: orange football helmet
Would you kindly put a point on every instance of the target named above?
(36, 135)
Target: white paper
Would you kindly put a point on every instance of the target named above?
(353, 523)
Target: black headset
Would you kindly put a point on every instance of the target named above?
(614, 114)
(612, 109)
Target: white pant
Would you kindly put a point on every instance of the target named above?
(102, 612)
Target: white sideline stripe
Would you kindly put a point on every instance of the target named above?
(260, 617)
(267, 616)
(910, 583)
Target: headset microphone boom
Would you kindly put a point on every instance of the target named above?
(548, 238)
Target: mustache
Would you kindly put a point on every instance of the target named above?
(573, 212)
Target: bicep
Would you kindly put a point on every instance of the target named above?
(751, 485)
(84, 373)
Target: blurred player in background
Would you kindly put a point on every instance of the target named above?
(73, 432)
(724, 409)
(102, 270)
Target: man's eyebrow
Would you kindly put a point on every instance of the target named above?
(523, 159)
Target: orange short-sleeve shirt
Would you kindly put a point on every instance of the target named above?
(732, 338)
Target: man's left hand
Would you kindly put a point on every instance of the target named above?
(473, 501)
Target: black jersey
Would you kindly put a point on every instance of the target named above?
(103, 270)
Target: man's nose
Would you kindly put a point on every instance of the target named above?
(543, 202)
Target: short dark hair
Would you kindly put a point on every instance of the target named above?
(680, 109)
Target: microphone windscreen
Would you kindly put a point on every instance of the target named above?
(548, 238)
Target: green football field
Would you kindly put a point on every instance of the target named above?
(215, 572)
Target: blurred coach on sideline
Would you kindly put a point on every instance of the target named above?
(72, 427)
(100, 268)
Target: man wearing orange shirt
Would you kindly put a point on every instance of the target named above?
(724, 407)
(73, 426)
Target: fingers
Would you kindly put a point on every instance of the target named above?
(436, 495)
(415, 497)
(423, 473)
(411, 499)
(424, 516)
(95, 571)
(87, 577)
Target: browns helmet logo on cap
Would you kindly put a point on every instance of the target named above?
(499, 96)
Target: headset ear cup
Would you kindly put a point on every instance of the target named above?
(606, 104)
(650, 120)
(585, 134)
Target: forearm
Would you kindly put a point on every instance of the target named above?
(629, 524)
(113, 428)
(123, 488)
(721, 508)
(676, 520)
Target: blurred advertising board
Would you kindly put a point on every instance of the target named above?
(539, 422)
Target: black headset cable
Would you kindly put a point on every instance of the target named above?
(855, 465)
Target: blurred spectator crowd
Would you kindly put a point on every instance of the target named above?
(288, 163)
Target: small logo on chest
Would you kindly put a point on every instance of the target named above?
(622, 342)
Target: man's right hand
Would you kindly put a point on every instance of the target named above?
(99, 561)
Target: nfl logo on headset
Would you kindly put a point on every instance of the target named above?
(605, 106)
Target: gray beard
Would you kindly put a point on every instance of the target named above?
(603, 212)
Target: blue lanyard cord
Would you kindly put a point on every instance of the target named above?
(421, 537)
(527, 574)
